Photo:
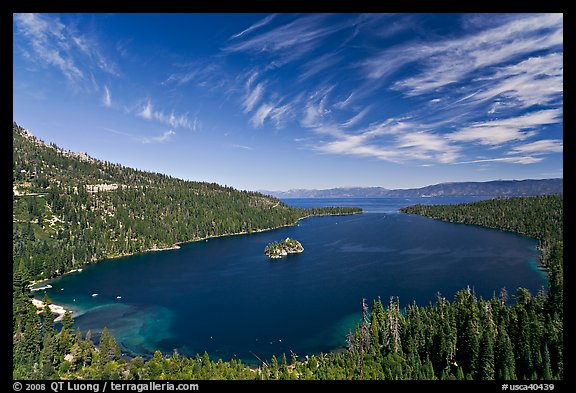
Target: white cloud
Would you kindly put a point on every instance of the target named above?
(525, 160)
(542, 146)
(107, 97)
(290, 41)
(261, 114)
(391, 140)
(202, 73)
(532, 119)
(352, 146)
(316, 108)
(497, 132)
(403, 140)
(357, 118)
(58, 45)
(252, 97)
(242, 147)
(318, 65)
(487, 134)
(452, 60)
(255, 26)
(172, 119)
(494, 107)
(279, 114)
(422, 140)
(49, 43)
(146, 112)
(535, 81)
(165, 137)
(469, 95)
(181, 78)
(344, 103)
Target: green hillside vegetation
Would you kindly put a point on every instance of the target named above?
(514, 335)
(70, 209)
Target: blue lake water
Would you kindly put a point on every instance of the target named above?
(224, 296)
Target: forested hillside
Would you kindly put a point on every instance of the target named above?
(69, 209)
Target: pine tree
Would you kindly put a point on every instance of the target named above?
(485, 366)
(274, 368)
(504, 363)
(546, 365)
(114, 350)
(459, 374)
(468, 348)
(48, 353)
(104, 346)
(284, 373)
(20, 279)
(523, 349)
(66, 337)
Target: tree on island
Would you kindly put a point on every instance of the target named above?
(283, 248)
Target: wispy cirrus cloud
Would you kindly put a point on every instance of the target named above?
(165, 137)
(474, 98)
(276, 112)
(524, 160)
(241, 147)
(253, 96)
(450, 61)
(162, 138)
(319, 64)
(147, 112)
(406, 139)
(535, 81)
(198, 73)
(392, 140)
(498, 132)
(290, 41)
(56, 44)
(357, 117)
(107, 97)
(316, 107)
(543, 146)
(49, 44)
(255, 26)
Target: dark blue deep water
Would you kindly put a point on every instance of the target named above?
(224, 296)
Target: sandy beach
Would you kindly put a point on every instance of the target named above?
(56, 309)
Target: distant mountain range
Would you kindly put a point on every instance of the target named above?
(497, 188)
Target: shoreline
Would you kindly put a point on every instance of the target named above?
(55, 308)
(177, 246)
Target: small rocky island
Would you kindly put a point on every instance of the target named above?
(283, 248)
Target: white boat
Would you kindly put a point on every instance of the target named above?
(118, 297)
(94, 294)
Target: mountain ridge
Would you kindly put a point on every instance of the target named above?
(498, 188)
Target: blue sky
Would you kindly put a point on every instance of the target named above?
(281, 101)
